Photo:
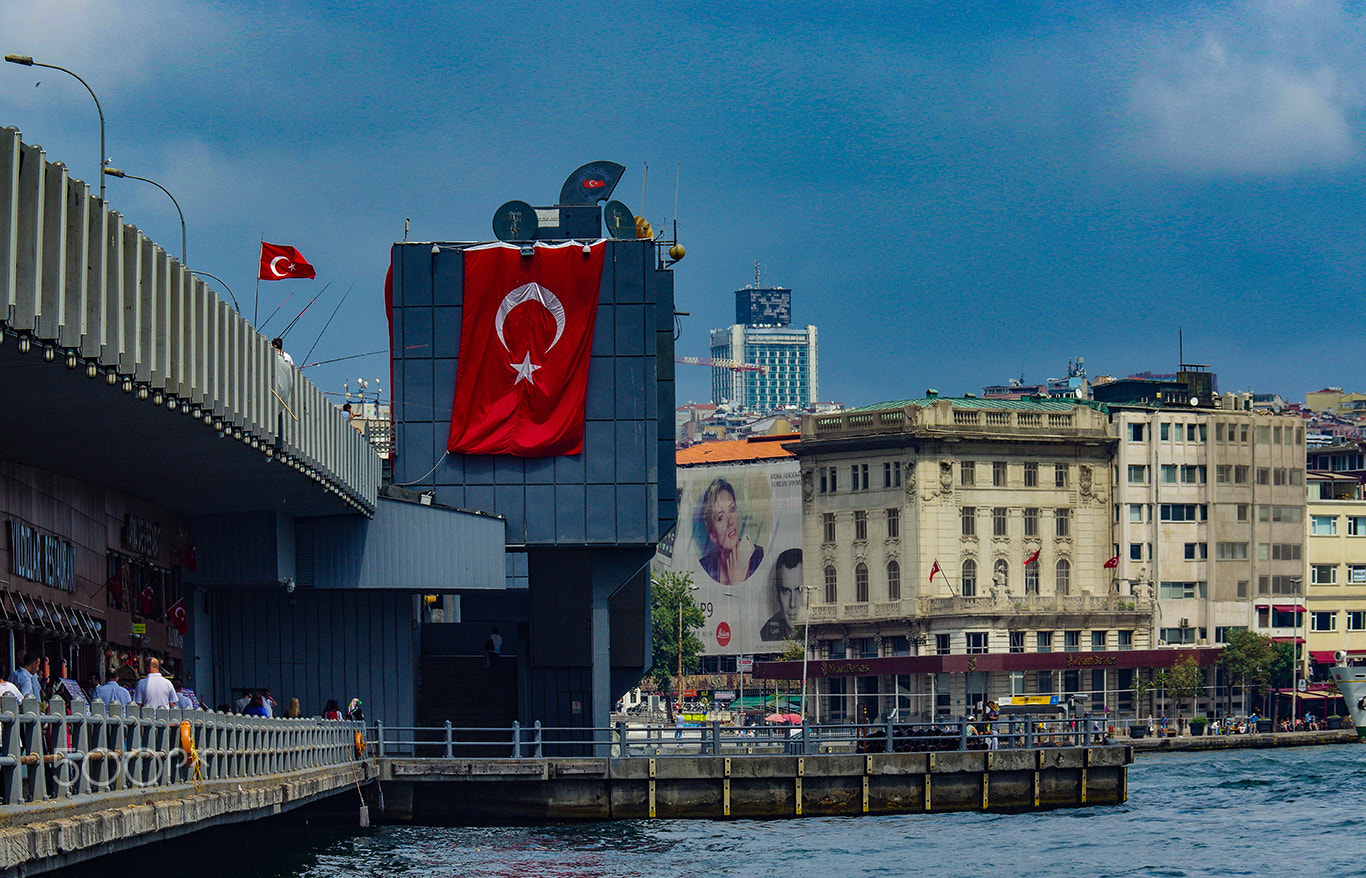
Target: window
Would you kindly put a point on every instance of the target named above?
(1062, 522)
(1135, 432)
(858, 475)
(1126, 640)
(1193, 475)
(1060, 475)
(1045, 681)
(1243, 437)
(835, 649)
(1263, 475)
(969, 517)
(1197, 551)
(893, 581)
(1195, 433)
(1071, 641)
(1239, 475)
(967, 473)
(1356, 525)
(831, 591)
(1031, 522)
(998, 474)
(1183, 512)
(1000, 572)
(941, 644)
(998, 521)
(1098, 641)
(1222, 473)
(1323, 525)
(829, 480)
(1164, 431)
(1135, 551)
(860, 525)
(968, 582)
(828, 523)
(861, 583)
(1017, 641)
(1168, 471)
(1243, 511)
(1356, 573)
(1356, 620)
(1138, 474)
(1230, 551)
(1180, 590)
(1323, 574)
(1062, 576)
(1136, 512)
(977, 642)
(893, 524)
(891, 475)
(1263, 435)
(1043, 641)
(1031, 475)
(1323, 621)
(1176, 635)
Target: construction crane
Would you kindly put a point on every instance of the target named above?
(733, 365)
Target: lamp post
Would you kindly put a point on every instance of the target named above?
(115, 172)
(219, 279)
(739, 662)
(28, 61)
(681, 600)
(806, 643)
(1295, 653)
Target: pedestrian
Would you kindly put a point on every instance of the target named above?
(279, 345)
(293, 711)
(332, 710)
(493, 647)
(269, 701)
(110, 692)
(25, 677)
(353, 711)
(256, 706)
(154, 690)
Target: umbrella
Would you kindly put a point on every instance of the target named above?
(783, 718)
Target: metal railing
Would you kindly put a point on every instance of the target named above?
(625, 740)
(48, 753)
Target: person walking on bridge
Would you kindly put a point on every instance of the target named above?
(155, 690)
(110, 692)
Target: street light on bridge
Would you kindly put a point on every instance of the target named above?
(27, 61)
(115, 172)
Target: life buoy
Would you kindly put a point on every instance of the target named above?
(360, 745)
(187, 743)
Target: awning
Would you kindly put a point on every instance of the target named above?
(1303, 696)
(1287, 608)
(1323, 656)
(28, 613)
(1296, 640)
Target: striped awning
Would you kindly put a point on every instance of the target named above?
(23, 612)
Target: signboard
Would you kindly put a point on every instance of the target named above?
(194, 699)
(41, 557)
(73, 691)
(745, 665)
(739, 535)
(140, 629)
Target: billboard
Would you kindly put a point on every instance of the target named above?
(740, 536)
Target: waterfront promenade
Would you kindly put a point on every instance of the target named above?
(1258, 741)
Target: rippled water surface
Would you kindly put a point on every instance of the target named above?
(1246, 812)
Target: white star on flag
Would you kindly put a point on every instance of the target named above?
(524, 370)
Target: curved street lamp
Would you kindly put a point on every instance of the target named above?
(27, 61)
(115, 172)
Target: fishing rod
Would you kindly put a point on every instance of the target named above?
(354, 356)
(262, 328)
(329, 320)
(284, 332)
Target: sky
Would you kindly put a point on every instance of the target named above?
(956, 193)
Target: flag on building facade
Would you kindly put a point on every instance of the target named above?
(1032, 558)
(189, 559)
(115, 586)
(279, 262)
(525, 338)
(146, 597)
(1112, 563)
(178, 616)
(933, 570)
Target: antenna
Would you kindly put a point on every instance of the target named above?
(1180, 345)
(644, 180)
(756, 274)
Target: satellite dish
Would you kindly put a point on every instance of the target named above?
(1195, 400)
(620, 222)
(592, 183)
(515, 221)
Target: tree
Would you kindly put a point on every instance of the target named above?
(794, 647)
(1248, 659)
(669, 590)
(1185, 681)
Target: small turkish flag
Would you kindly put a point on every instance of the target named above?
(145, 599)
(115, 586)
(279, 262)
(1032, 558)
(1112, 563)
(934, 570)
(179, 618)
(522, 381)
(188, 560)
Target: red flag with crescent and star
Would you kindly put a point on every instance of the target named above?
(525, 338)
(179, 618)
(1112, 563)
(1032, 558)
(933, 570)
(279, 262)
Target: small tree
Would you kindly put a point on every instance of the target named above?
(1142, 690)
(794, 647)
(1248, 658)
(1185, 681)
(670, 591)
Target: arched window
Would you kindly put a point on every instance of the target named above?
(893, 581)
(861, 583)
(1063, 576)
(831, 591)
(969, 580)
(1001, 573)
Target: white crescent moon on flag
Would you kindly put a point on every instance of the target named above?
(275, 269)
(532, 292)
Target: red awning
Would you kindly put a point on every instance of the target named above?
(1323, 656)
(1287, 608)
(1288, 639)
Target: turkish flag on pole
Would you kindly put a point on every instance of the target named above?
(279, 262)
(934, 570)
(189, 559)
(145, 598)
(525, 339)
(179, 618)
(1112, 563)
(1032, 558)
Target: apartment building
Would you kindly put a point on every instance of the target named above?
(1335, 554)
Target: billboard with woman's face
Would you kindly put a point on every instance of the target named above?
(739, 535)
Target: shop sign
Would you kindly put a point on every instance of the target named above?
(140, 629)
(174, 638)
(141, 536)
(41, 558)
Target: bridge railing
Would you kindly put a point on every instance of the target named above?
(625, 740)
(52, 752)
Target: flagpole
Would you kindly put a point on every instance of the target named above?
(256, 308)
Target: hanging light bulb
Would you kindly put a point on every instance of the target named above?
(127, 385)
(91, 370)
(71, 361)
(157, 398)
(24, 344)
(111, 378)
(142, 391)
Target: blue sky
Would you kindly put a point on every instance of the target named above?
(955, 193)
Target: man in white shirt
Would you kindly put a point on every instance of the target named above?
(155, 690)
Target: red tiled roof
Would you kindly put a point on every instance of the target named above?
(757, 448)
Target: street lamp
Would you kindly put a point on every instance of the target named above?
(680, 644)
(219, 279)
(739, 663)
(28, 61)
(806, 643)
(1295, 652)
(115, 172)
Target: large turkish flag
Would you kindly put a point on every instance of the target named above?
(525, 339)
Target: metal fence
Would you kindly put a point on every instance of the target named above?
(625, 740)
(52, 753)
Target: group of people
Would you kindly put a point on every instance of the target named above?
(153, 690)
(259, 702)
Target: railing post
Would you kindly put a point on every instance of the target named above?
(449, 750)
(539, 752)
(516, 740)
(890, 729)
(379, 739)
(962, 733)
(716, 737)
(622, 749)
(11, 776)
(1029, 732)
